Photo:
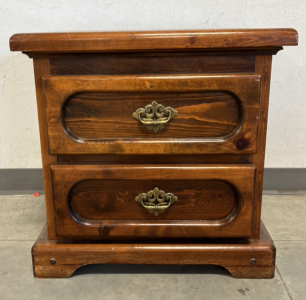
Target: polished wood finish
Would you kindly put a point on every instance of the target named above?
(102, 200)
(150, 63)
(231, 220)
(97, 158)
(234, 255)
(263, 65)
(157, 40)
(156, 159)
(201, 114)
(57, 89)
(41, 67)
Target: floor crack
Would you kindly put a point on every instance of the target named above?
(283, 283)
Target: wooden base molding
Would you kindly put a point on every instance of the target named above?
(244, 258)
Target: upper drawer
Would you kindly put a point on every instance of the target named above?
(152, 114)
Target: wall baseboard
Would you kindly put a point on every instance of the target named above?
(276, 181)
(285, 181)
(21, 181)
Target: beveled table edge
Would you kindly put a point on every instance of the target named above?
(153, 40)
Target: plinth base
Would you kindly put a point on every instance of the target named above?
(243, 258)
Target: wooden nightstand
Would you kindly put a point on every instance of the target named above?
(153, 147)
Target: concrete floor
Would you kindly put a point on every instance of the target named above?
(22, 218)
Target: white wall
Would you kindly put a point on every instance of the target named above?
(19, 137)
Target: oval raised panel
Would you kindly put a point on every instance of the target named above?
(102, 200)
(99, 116)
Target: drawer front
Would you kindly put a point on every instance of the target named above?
(145, 201)
(152, 114)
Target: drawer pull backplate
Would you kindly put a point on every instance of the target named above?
(156, 201)
(154, 116)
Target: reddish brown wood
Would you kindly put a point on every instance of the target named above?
(96, 115)
(150, 63)
(263, 66)
(157, 159)
(234, 255)
(96, 158)
(41, 68)
(241, 140)
(105, 200)
(138, 223)
(148, 40)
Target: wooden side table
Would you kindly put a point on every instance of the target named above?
(153, 147)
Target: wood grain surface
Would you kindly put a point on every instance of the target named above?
(232, 254)
(157, 40)
(79, 185)
(242, 140)
(156, 159)
(41, 68)
(101, 116)
(115, 199)
(150, 63)
(263, 66)
(96, 158)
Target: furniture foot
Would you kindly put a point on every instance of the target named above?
(254, 272)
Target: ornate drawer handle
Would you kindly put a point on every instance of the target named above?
(156, 201)
(162, 116)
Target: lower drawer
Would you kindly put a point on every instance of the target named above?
(153, 201)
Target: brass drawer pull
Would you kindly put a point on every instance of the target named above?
(156, 201)
(162, 116)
